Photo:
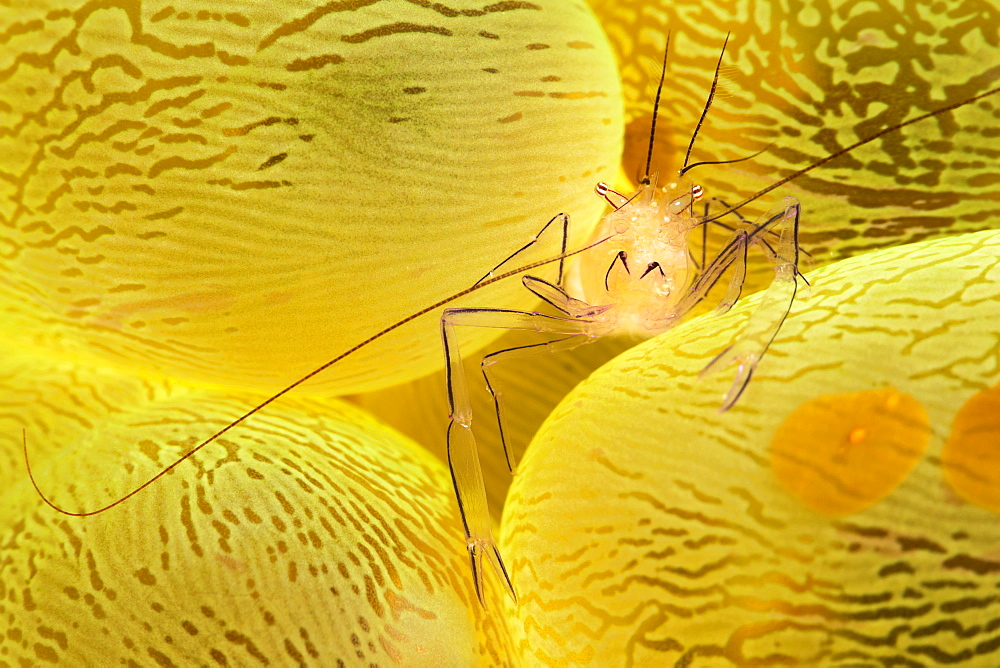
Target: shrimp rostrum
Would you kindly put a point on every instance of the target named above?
(638, 276)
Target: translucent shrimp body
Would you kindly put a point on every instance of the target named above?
(642, 272)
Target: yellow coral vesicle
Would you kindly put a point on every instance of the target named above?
(238, 193)
(643, 522)
(234, 193)
(798, 82)
(312, 535)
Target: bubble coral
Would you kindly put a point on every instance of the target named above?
(168, 260)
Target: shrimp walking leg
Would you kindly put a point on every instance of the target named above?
(508, 354)
(739, 274)
(733, 252)
(463, 458)
(743, 221)
(557, 297)
(563, 219)
(749, 348)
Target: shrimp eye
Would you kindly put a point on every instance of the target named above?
(603, 189)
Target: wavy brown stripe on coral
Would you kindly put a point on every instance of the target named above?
(217, 191)
(646, 528)
(314, 536)
(807, 78)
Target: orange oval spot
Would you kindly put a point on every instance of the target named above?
(971, 456)
(841, 453)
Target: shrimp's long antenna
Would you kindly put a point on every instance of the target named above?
(708, 103)
(723, 162)
(857, 144)
(656, 108)
(374, 337)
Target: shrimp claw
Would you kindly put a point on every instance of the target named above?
(747, 351)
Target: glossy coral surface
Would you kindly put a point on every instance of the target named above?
(312, 535)
(647, 527)
(199, 203)
(211, 190)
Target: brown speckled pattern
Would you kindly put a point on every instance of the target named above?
(646, 528)
(313, 536)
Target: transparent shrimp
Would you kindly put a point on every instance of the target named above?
(639, 274)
